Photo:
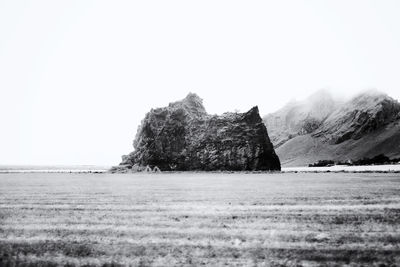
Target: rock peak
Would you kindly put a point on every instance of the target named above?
(192, 97)
(253, 115)
(191, 103)
(370, 98)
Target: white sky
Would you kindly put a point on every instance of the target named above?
(77, 77)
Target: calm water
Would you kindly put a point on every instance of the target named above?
(53, 168)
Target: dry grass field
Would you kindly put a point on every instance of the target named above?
(194, 219)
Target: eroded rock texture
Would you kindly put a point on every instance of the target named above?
(184, 137)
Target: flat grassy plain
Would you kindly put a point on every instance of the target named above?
(194, 219)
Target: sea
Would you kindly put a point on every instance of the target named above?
(103, 169)
(53, 169)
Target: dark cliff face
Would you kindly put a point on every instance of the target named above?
(184, 137)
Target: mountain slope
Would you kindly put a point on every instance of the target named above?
(367, 125)
(299, 118)
(363, 114)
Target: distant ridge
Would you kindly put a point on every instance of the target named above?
(323, 128)
(298, 118)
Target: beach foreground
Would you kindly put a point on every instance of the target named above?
(192, 219)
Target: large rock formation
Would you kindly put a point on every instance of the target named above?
(184, 137)
(365, 126)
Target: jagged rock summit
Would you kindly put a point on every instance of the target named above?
(183, 137)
